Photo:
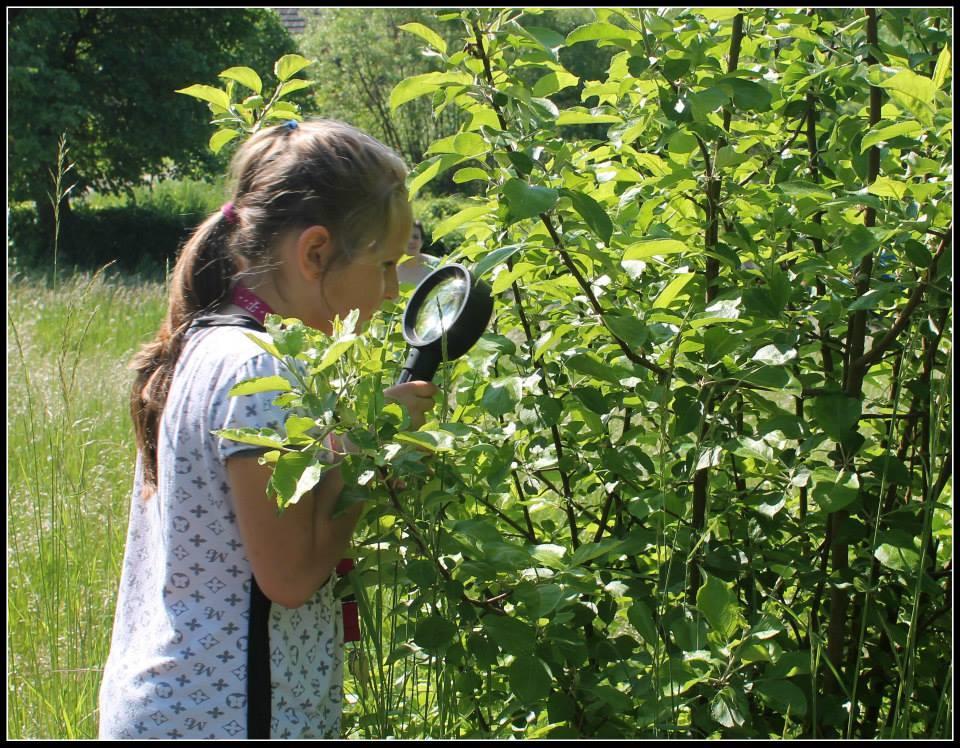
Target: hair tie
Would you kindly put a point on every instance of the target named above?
(229, 213)
(291, 124)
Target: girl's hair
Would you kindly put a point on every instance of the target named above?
(284, 178)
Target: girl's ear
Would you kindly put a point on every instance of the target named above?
(314, 249)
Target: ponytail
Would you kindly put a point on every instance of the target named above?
(200, 281)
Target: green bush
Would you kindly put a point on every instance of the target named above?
(142, 232)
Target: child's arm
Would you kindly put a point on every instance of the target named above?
(294, 553)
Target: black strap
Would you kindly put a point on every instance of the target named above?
(226, 320)
(258, 664)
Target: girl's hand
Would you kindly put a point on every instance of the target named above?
(416, 397)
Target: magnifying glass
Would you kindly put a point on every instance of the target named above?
(448, 304)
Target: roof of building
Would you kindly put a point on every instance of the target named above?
(293, 19)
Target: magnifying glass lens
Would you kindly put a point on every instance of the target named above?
(440, 309)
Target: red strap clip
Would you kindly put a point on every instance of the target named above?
(351, 615)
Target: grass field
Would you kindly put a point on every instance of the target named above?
(70, 458)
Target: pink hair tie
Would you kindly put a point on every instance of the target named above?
(229, 213)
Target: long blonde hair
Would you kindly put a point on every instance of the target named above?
(320, 172)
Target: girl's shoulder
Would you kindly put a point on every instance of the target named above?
(229, 354)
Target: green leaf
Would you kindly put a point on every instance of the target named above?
(773, 378)
(709, 100)
(469, 174)
(581, 116)
(653, 247)
(836, 414)
(496, 257)
(748, 95)
(294, 474)
(943, 67)
(887, 187)
(628, 328)
(549, 554)
(873, 298)
(600, 31)
(834, 491)
(591, 365)
(207, 93)
(435, 634)
(642, 620)
(589, 551)
(422, 573)
(261, 384)
(432, 441)
(245, 77)
(527, 201)
(783, 696)
(430, 36)
(718, 603)
(880, 134)
(512, 636)
(464, 143)
(529, 679)
(917, 92)
(775, 355)
(673, 289)
(501, 396)
(297, 426)
(429, 170)
(728, 708)
(420, 85)
(220, 138)
(800, 189)
(898, 558)
(295, 85)
(553, 82)
(458, 219)
(289, 65)
(254, 437)
(593, 213)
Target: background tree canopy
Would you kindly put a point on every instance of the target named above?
(362, 56)
(106, 77)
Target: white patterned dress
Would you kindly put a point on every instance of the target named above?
(181, 647)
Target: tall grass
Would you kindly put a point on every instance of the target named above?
(70, 459)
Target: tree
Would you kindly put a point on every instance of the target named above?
(106, 77)
(361, 55)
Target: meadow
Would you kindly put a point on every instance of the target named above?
(70, 459)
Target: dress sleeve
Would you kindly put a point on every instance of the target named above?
(255, 411)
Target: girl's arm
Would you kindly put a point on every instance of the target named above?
(293, 554)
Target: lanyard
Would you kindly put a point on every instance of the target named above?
(247, 300)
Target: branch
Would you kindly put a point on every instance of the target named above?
(874, 354)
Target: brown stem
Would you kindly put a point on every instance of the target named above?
(903, 319)
(853, 386)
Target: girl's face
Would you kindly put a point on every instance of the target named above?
(363, 283)
(416, 242)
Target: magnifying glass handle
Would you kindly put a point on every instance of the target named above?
(420, 366)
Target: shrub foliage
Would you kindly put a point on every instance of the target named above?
(696, 479)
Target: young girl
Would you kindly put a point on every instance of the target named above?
(418, 265)
(226, 623)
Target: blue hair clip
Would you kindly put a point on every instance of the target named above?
(291, 124)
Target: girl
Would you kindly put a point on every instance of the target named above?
(418, 265)
(226, 624)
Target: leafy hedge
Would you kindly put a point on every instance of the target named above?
(696, 480)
